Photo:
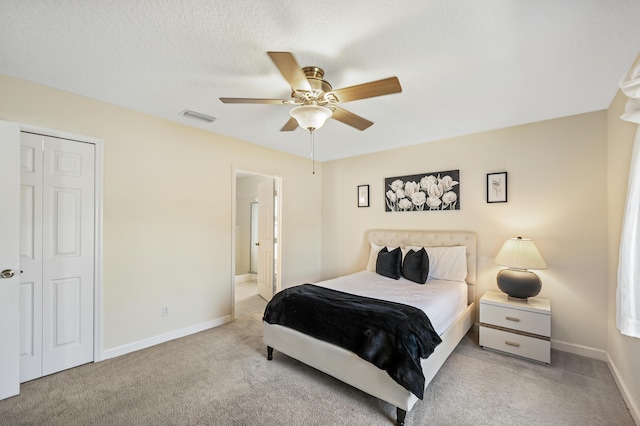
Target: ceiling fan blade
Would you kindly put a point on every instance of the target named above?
(253, 101)
(291, 125)
(351, 119)
(290, 70)
(372, 89)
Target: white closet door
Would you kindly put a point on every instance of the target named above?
(68, 246)
(57, 247)
(31, 157)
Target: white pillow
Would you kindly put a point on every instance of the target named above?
(446, 263)
(373, 256)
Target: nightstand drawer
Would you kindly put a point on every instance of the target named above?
(516, 344)
(516, 319)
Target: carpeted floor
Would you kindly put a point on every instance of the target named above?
(221, 377)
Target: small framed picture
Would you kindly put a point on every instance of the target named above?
(497, 187)
(363, 195)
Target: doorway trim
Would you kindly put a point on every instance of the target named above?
(98, 225)
(235, 169)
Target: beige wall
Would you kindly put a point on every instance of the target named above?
(168, 210)
(624, 352)
(557, 196)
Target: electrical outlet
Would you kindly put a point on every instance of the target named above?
(165, 311)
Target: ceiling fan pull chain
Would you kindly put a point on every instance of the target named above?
(313, 158)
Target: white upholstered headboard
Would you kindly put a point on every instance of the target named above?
(395, 238)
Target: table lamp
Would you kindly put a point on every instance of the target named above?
(519, 255)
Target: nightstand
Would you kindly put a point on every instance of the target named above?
(520, 328)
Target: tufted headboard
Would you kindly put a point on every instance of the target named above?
(395, 238)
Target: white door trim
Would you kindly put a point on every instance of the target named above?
(98, 267)
(235, 169)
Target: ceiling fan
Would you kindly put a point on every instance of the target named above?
(315, 99)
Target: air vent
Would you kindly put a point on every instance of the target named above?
(198, 115)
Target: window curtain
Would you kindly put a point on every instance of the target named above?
(628, 291)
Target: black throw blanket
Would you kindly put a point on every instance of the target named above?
(392, 336)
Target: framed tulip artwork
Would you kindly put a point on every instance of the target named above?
(497, 187)
(423, 192)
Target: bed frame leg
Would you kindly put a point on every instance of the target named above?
(400, 415)
(269, 353)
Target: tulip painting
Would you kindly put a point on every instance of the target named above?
(423, 192)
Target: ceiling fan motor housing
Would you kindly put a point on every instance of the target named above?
(319, 87)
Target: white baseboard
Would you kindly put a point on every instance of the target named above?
(572, 348)
(152, 341)
(624, 390)
(603, 356)
(244, 278)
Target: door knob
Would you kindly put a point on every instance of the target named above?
(7, 273)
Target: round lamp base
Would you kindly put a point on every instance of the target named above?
(519, 283)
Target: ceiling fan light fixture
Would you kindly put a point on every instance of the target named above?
(310, 117)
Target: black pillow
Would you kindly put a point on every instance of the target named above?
(416, 266)
(389, 263)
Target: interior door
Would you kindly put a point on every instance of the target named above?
(9, 259)
(67, 254)
(57, 254)
(31, 162)
(265, 240)
(253, 239)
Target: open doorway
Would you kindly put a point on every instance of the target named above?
(256, 242)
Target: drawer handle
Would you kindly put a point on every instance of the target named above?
(517, 345)
(514, 319)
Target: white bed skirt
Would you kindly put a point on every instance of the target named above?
(353, 370)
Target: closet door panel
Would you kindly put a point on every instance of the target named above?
(31, 158)
(68, 253)
(66, 310)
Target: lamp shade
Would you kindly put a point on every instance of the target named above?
(520, 253)
(310, 117)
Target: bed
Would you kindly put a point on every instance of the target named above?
(352, 369)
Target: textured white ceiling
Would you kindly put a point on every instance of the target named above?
(465, 66)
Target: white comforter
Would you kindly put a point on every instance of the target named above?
(441, 300)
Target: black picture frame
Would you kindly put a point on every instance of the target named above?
(497, 187)
(363, 195)
(435, 191)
